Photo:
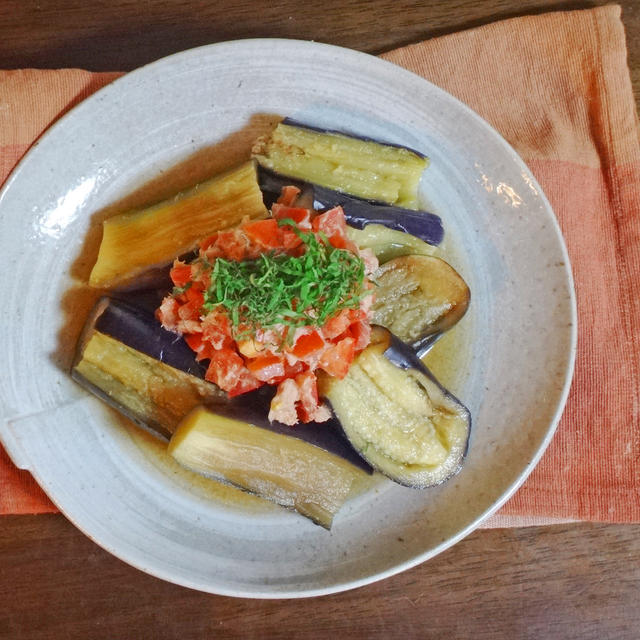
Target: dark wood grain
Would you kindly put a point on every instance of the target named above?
(124, 34)
(570, 581)
(573, 581)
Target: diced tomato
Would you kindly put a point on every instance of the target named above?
(292, 370)
(360, 331)
(180, 274)
(283, 404)
(203, 349)
(246, 383)
(208, 242)
(367, 301)
(334, 225)
(307, 384)
(228, 371)
(216, 329)
(267, 368)
(194, 295)
(307, 344)
(194, 340)
(189, 311)
(167, 313)
(301, 216)
(232, 244)
(288, 195)
(200, 276)
(330, 222)
(266, 233)
(188, 326)
(370, 260)
(337, 324)
(291, 241)
(337, 359)
(309, 408)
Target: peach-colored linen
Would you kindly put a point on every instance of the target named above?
(557, 87)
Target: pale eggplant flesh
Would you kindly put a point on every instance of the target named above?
(277, 466)
(418, 298)
(367, 168)
(129, 361)
(397, 415)
(292, 122)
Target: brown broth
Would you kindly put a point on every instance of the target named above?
(155, 451)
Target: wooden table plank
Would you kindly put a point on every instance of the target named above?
(124, 34)
(569, 581)
(573, 581)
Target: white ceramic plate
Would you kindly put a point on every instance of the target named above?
(199, 110)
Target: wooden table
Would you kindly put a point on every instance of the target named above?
(569, 581)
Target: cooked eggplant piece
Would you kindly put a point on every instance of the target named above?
(154, 395)
(137, 327)
(387, 243)
(292, 122)
(397, 415)
(147, 373)
(276, 466)
(418, 297)
(139, 241)
(151, 375)
(357, 166)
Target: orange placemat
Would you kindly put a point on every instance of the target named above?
(557, 87)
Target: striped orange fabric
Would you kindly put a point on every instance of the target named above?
(557, 87)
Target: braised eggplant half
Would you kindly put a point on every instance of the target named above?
(359, 213)
(397, 416)
(418, 297)
(359, 166)
(278, 466)
(150, 375)
(137, 241)
(147, 373)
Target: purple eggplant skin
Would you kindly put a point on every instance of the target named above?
(271, 184)
(137, 327)
(253, 407)
(292, 122)
(358, 212)
(423, 345)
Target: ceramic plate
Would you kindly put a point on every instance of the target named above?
(175, 122)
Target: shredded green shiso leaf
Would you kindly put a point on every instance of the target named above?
(281, 289)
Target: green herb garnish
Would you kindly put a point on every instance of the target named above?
(280, 289)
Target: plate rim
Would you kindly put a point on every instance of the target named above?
(60, 123)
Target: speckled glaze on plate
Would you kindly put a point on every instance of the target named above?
(172, 123)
